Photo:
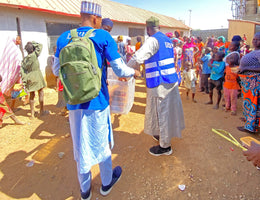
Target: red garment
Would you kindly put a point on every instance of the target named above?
(4, 107)
(231, 78)
(60, 86)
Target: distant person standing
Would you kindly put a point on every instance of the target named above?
(178, 58)
(205, 60)
(121, 47)
(188, 51)
(129, 50)
(164, 117)
(216, 77)
(221, 43)
(50, 78)
(32, 76)
(177, 34)
(139, 43)
(189, 78)
(107, 24)
(231, 85)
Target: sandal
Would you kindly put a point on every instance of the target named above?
(233, 113)
(241, 128)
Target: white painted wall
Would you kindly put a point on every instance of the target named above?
(33, 28)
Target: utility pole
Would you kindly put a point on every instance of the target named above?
(190, 17)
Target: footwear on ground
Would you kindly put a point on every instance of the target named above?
(86, 195)
(105, 190)
(158, 151)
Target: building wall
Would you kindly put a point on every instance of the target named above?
(237, 27)
(33, 28)
(204, 34)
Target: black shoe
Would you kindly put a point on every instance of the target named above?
(156, 137)
(241, 128)
(105, 190)
(86, 195)
(157, 151)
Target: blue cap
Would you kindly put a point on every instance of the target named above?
(236, 38)
(107, 21)
(90, 8)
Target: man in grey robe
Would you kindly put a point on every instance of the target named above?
(164, 117)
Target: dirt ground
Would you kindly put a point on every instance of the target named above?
(36, 160)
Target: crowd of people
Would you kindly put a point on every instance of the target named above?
(213, 64)
(168, 61)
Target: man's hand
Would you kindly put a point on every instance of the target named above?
(253, 154)
(137, 74)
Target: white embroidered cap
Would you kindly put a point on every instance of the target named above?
(91, 8)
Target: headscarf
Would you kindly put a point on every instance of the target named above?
(169, 34)
(176, 40)
(250, 61)
(223, 38)
(189, 45)
(236, 38)
(177, 31)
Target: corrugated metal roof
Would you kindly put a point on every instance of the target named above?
(113, 10)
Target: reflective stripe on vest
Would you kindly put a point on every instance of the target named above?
(160, 67)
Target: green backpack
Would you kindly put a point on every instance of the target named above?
(80, 74)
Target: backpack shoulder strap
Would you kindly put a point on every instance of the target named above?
(89, 33)
(74, 34)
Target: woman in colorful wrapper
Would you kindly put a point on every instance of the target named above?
(249, 73)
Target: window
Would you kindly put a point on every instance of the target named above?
(133, 32)
(54, 30)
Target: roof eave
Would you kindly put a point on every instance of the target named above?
(39, 9)
(74, 15)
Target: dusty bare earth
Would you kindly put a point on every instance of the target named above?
(209, 166)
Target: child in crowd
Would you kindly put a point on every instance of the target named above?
(214, 52)
(178, 57)
(205, 70)
(189, 78)
(216, 77)
(247, 50)
(231, 85)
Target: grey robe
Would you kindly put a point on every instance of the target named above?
(164, 113)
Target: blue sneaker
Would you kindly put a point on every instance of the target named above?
(105, 190)
(86, 195)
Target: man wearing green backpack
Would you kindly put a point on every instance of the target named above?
(90, 122)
